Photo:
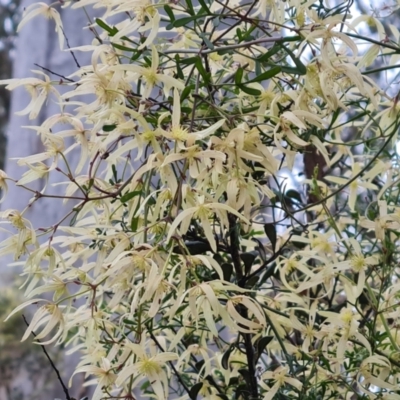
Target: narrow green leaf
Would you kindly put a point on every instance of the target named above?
(248, 260)
(265, 57)
(225, 357)
(248, 90)
(205, 6)
(239, 34)
(270, 231)
(208, 42)
(128, 196)
(262, 344)
(227, 270)
(186, 92)
(206, 76)
(103, 25)
(123, 48)
(194, 390)
(109, 128)
(190, 7)
(239, 76)
(294, 194)
(301, 68)
(170, 13)
(179, 72)
(134, 224)
(183, 21)
(189, 60)
(266, 75)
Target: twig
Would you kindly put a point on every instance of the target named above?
(170, 363)
(72, 53)
(68, 397)
(228, 47)
(55, 73)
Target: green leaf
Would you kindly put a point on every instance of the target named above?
(208, 42)
(270, 231)
(265, 57)
(179, 71)
(250, 283)
(227, 270)
(262, 344)
(266, 75)
(184, 21)
(205, 6)
(294, 194)
(239, 76)
(194, 390)
(225, 357)
(134, 224)
(248, 90)
(103, 25)
(301, 68)
(109, 128)
(170, 13)
(128, 196)
(248, 260)
(190, 6)
(123, 48)
(186, 92)
(239, 34)
(189, 60)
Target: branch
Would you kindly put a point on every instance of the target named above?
(67, 396)
(228, 47)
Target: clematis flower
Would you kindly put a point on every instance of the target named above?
(150, 366)
(280, 378)
(203, 211)
(38, 89)
(181, 134)
(104, 374)
(151, 75)
(48, 12)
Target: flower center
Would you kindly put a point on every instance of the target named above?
(149, 367)
(179, 133)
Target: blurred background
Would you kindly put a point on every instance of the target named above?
(24, 371)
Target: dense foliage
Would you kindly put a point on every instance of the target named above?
(186, 264)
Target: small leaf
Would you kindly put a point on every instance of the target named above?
(103, 25)
(170, 13)
(208, 42)
(248, 260)
(266, 75)
(227, 269)
(134, 224)
(205, 6)
(250, 283)
(179, 71)
(239, 76)
(225, 357)
(246, 375)
(194, 390)
(293, 194)
(190, 6)
(239, 34)
(186, 92)
(262, 344)
(109, 128)
(248, 90)
(270, 231)
(266, 56)
(184, 21)
(128, 196)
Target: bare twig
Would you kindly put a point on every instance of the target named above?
(67, 395)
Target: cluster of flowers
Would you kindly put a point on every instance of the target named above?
(184, 261)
